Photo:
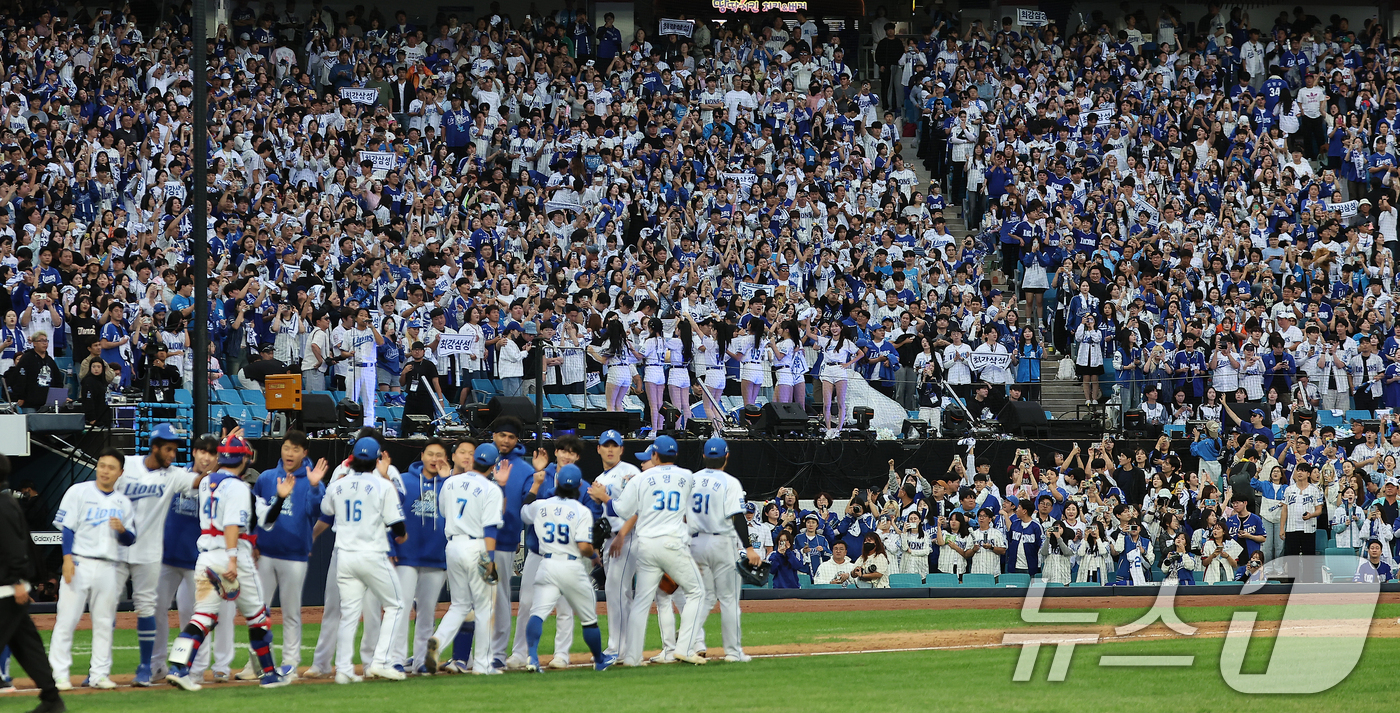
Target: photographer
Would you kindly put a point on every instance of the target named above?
(37, 372)
(1252, 570)
(915, 546)
(785, 561)
(856, 524)
(1179, 562)
(893, 482)
(1057, 550)
(1095, 559)
(1220, 556)
(987, 544)
(872, 568)
(836, 570)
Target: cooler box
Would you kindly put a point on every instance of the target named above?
(283, 392)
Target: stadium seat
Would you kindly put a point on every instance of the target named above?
(942, 579)
(1049, 416)
(597, 402)
(183, 396)
(559, 401)
(483, 390)
(905, 581)
(1325, 418)
(1085, 584)
(253, 397)
(226, 382)
(1356, 415)
(1225, 581)
(633, 403)
(227, 396)
(804, 580)
(978, 580)
(1341, 563)
(1014, 580)
(820, 586)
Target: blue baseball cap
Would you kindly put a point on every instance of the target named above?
(610, 437)
(716, 448)
(163, 432)
(646, 455)
(1257, 412)
(568, 476)
(366, 448)
(666, 446)
(486, 455)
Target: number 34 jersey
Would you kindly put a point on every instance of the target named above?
(660, 498)
(560, 524)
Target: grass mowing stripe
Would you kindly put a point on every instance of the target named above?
(947, 680)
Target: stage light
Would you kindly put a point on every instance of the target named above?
(863, 415)
(914, 428)
(349, 414)
(669, 416)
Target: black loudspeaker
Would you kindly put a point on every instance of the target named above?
(780, 418)
(317, 411)
(517, 406)
(593, 423)
(1024, 418)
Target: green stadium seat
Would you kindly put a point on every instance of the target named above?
(804, 580)
(1225, 581)
(942, 579)
(816, 586)
(1014, 580)
(1085, 584)
(905, 581)
(979, 580)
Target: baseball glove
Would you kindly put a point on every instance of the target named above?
(227, 587)
(602, 530)
(667, 584)
(757, 576)
(600, 577)
(487, 568)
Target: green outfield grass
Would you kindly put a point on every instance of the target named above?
(890, 681)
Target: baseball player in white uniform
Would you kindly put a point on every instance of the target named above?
(660, 498)
(717, 527)
(363, 344)
(564, 527)
(329, 637)
(228, 512)
(472, 503)
(149, 483)
(363, 504)
(178, 557)
(96, 521)
(619, 564)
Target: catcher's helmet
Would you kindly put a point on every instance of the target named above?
(757, 576)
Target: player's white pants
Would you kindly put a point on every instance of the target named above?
(563, 627)
(562, 577)
(364, 390)
(94, 586)
(330, 622)
(209, 602)
(666, 607)
(715, 556)
(357, 573)
(619, 572)
(423, 585)
(500, 619)
(177, 583)
(471, 595)
(285, 578)
(657, 555)
(145, 579)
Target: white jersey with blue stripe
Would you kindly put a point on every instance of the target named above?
(470, 503)
(363, 505)
(614, 480)
(150, 493)
(560, 524)
(660, 498)
(88, 512)
(714, 501)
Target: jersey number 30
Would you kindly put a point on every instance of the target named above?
(666, 500)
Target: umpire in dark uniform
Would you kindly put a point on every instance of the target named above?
(17, 569)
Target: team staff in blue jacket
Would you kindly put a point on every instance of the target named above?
(284, 549)
(422, 560)
(505, 433)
